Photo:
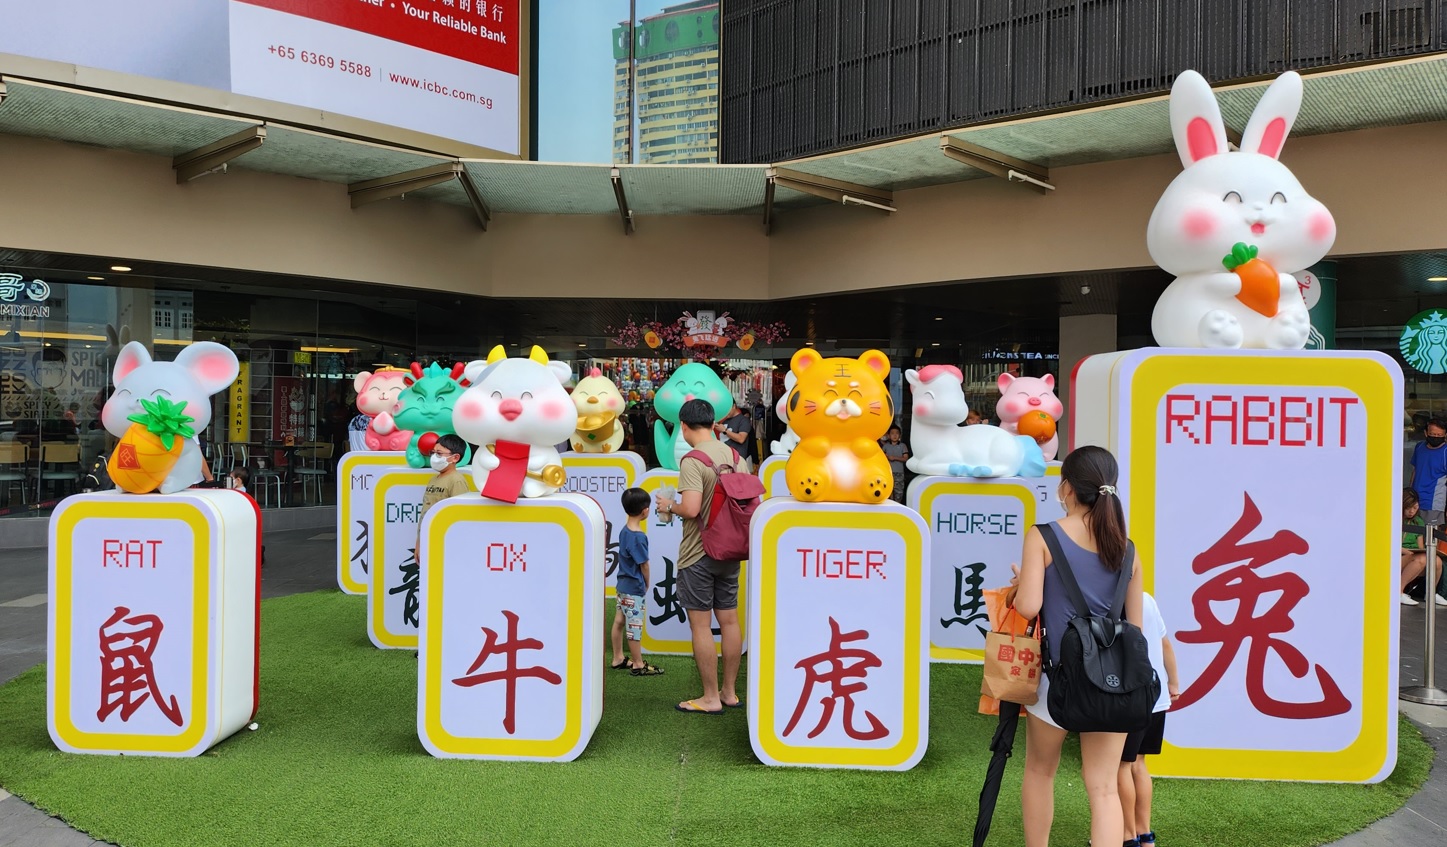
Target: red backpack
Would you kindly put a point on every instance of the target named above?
(725, 534)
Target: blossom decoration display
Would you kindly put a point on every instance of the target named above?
(677, 334)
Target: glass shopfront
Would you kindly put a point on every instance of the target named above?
(60, 334)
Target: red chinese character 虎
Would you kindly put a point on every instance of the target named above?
(127, 673)
(511, 672)
(1244, 587)
(842, 663)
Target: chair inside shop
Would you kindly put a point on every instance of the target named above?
(266, 484)
(314, 465)
(59, 463)
(14, 457)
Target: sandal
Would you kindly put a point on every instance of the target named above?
(647, 670)
(1148, 839)
(624, 665)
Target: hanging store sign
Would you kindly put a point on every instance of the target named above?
(21, 298)
(705, 330)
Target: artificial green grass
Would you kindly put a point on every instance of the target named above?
(337, 761)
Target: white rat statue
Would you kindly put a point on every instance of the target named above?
(939, 445)
(599, 405)
(786, 444)
(518, 411)
(200, 370)
(1234, 226)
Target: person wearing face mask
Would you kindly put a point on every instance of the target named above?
(446, 453)
(1429, 468)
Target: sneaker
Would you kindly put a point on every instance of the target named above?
(1407, 600)
(1441, 601)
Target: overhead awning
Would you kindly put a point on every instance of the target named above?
(1022, 150)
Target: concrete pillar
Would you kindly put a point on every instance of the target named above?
(1080, 336)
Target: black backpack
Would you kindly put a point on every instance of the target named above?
(1103, 680)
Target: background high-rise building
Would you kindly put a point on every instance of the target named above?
(676, 86)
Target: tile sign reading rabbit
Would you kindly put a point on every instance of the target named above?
(1262, 489)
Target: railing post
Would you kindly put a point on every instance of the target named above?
(1428, 692)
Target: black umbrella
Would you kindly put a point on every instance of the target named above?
(1001, 746)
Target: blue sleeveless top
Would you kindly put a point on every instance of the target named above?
(1097, 583)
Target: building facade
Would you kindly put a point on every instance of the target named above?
(675, 86)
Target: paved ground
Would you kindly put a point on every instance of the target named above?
(302, 561)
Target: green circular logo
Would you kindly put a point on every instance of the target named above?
(1424, 341)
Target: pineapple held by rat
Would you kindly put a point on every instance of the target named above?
(150, 448)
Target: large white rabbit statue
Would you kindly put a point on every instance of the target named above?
(1234, 226)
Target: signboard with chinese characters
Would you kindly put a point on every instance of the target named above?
(152, 626)
(393, 602)
(771, 474)
(838, 638)
(357, 476)
(604, 477)
(1263, 492)
(288, 409)
(977, 531)
(665, 623)
(509, 655)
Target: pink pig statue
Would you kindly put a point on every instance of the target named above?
(1019, 395)
(377, 397)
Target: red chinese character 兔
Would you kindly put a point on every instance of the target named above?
(127, 674)
(838, 671)
(512, 673)
(1243, 585)
(1006, 654)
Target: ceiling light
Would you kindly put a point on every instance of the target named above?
(582, 344)
(329, 349)
(1084, 289)
(120, 269)
(97, 278)
(939, 317)
(1437, 279)
(934, 344)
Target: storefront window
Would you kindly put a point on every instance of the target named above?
(60, 335)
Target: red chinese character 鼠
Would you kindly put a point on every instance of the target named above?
(127, 674)
(511, 673)
(836, 659)
(1245, 587)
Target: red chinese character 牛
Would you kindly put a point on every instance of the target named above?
(127, 673)
(1243, 586)
(511, 673)
(841, 663)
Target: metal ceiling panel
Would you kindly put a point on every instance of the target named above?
(49, 111)
(543, 188)
(893, 167)
(695, 189)
(1412, 91)
(330, 158)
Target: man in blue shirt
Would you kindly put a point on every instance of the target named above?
(1429, 466)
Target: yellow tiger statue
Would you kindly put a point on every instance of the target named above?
(839, 408)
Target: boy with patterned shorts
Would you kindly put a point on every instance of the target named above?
(632, 587)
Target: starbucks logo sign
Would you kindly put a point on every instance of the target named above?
(1424, 342)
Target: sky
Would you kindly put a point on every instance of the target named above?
(575, 76)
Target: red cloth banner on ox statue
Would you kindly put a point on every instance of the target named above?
(1222, 456)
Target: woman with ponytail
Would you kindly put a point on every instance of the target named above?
(1093, 538)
